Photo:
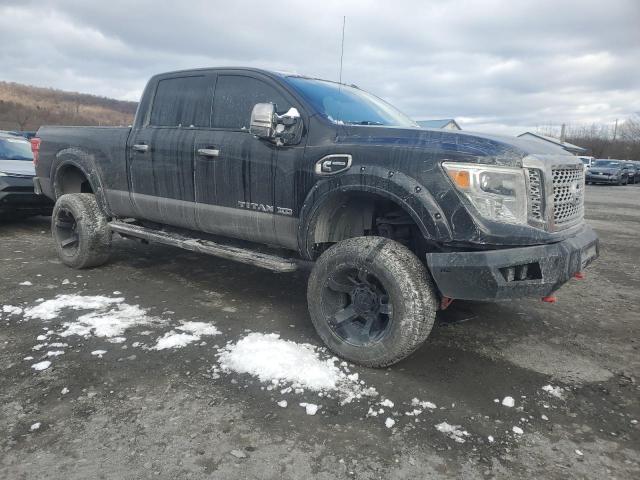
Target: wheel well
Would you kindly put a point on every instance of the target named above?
(70, 179)
(361, 214)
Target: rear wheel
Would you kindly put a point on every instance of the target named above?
(371, 300)
(80, 231)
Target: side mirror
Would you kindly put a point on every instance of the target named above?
(263, 120)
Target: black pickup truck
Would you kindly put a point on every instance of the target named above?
(281, 170)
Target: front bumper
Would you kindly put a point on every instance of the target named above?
(602, 179)
(17, 196)
(535, 271)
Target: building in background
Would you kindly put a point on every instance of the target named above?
(569, 147)
(445, 123)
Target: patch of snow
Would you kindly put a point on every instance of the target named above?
(544, 417)
(66, 281)
(107, 323)
(41, 338)
(285, 363)
(389, 422)
(579, 452)
(98, 353)
(553, 391)
(517, 430)
(417, 403)
(55, 353)
(199, 328)
(173, 339)
(26, 283)
(508, 402)
(50, 309)
(310, 408)
(58, 345)
(35, 426)
(490, 438)
(64, 391)
(282, 403)
(41, 365)
(454, 432)
(387, 403)
(11, 310)
(26, 359)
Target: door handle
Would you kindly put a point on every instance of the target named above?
(140, 147)
(208, 152)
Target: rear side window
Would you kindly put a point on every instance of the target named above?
(183, 101)
(236, 96)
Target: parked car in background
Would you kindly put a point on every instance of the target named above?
(634, 171)
(586, 160)
(17, 195)
(608, 171)
(26, 134)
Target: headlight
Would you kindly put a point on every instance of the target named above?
(497, 193)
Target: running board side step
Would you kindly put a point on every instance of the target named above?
(242, 255)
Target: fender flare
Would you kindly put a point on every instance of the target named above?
(401, 189)
(84, 162)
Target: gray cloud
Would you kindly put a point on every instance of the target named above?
(495, 65)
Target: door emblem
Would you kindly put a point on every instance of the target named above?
(261, 207)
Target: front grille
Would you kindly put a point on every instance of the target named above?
(535, 194)
(568, 195)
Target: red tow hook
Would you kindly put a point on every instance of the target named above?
(446, 301)
(579, 275)
(550, 299)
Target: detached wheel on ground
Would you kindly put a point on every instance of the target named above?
(80, 231)
(371, 300)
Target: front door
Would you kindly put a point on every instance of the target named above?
(161, 152)
(236, 174)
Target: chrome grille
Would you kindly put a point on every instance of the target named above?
(535, 194)
(568, 195)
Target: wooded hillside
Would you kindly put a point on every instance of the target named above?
(23, 107)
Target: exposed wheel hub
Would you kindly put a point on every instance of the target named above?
(365, 300)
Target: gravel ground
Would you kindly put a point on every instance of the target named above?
(134, 412)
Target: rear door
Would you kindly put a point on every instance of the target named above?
(161, 151)
(236, 173)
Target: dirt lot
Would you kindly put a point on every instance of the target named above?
(113, 406)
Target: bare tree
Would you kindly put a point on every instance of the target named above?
(22, 115)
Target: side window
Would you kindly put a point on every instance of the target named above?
(235, 97)
(182, 101)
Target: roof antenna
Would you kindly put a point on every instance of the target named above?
(344, 21)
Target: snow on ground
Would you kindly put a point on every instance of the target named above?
(454, 432)
(553, 391)
(98, 353)
(196, 330)
(311, 408)
(508, 402)
(35, 426)
(389, 422)
(112, 322)
(517, 430)
(50, 309)
(41, 365)
(284, 363)
(26, 283)
(11, 309)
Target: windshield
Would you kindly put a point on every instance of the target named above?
(15, 149)
(605, 163)
(343, 104)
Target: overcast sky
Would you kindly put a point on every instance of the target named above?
(502, 66)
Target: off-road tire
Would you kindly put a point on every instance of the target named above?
(91, 231)
(408, 287)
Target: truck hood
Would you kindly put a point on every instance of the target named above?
(502, 149)
(18, 168)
